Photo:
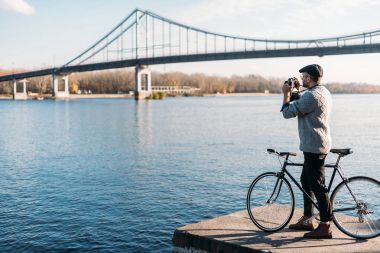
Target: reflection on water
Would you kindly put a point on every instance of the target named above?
(120, 176)
(143, 126)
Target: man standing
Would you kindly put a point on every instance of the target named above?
(312, 110)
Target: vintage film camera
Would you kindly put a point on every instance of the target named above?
(294, 84)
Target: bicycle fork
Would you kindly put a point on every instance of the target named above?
(276, 190)
(277, 187)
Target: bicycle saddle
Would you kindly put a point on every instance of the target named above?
(342, 151)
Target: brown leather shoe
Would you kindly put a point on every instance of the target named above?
(304, 224)
(323, 231)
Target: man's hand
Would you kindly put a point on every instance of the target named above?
(286, 91)
(298, 85)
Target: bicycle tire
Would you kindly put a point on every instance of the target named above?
(283, 211)
(355, 219)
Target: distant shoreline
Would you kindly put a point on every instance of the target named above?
(240, 94)
(95, 96)
(77, 96)
(91, 96)
(74, 96)
(5, 96)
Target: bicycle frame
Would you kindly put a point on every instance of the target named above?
(284, 172)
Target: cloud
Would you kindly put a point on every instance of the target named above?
(277, 18)
(206, 10)
(19, 6)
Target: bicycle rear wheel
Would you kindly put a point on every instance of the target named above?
(270, 202)
(356, 207)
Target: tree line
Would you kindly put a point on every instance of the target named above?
(122, 81)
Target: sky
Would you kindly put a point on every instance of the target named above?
(36, 34)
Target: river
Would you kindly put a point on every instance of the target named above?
(113, 175)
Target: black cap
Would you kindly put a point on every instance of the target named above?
(313, 70)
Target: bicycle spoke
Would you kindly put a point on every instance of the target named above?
(356, 209)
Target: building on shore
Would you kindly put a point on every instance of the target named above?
(176, 90)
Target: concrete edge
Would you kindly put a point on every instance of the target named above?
(188, 242)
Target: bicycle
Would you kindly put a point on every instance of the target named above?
(355, 200)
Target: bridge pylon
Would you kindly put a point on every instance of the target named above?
(60, 85)
(143, 82)
(20, 95)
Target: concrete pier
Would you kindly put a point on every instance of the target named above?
(60, 86)
(20, 95)
(143, 82)
(236, 233)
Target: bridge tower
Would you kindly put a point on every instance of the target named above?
(19, 95)
(60, 85)
(143, 82)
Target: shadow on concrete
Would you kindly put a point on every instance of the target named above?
(250, 237)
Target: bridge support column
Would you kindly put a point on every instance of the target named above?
(143, 82)
(19, 95)
(60, 86)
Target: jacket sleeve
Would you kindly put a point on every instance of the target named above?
(300, 107)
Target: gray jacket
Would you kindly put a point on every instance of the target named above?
(313, 110)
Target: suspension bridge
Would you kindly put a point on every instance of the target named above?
(144, 38)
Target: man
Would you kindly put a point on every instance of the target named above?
(312, 110)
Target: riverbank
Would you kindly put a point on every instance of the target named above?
(90, 96)
(82, 96)
(6, 96)
(72, 96)
(239, 94)
(119, 96)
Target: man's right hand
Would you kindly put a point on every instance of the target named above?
(286, 89)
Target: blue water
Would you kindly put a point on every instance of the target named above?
(113, 175)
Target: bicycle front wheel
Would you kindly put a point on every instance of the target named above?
(270, 202)
(356, 207)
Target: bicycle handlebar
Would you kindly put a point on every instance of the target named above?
(272, 151)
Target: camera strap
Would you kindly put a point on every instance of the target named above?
(308, 88)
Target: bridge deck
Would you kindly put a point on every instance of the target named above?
(236, 233)
(295, 52)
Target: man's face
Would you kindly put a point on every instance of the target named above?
(305, 77)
